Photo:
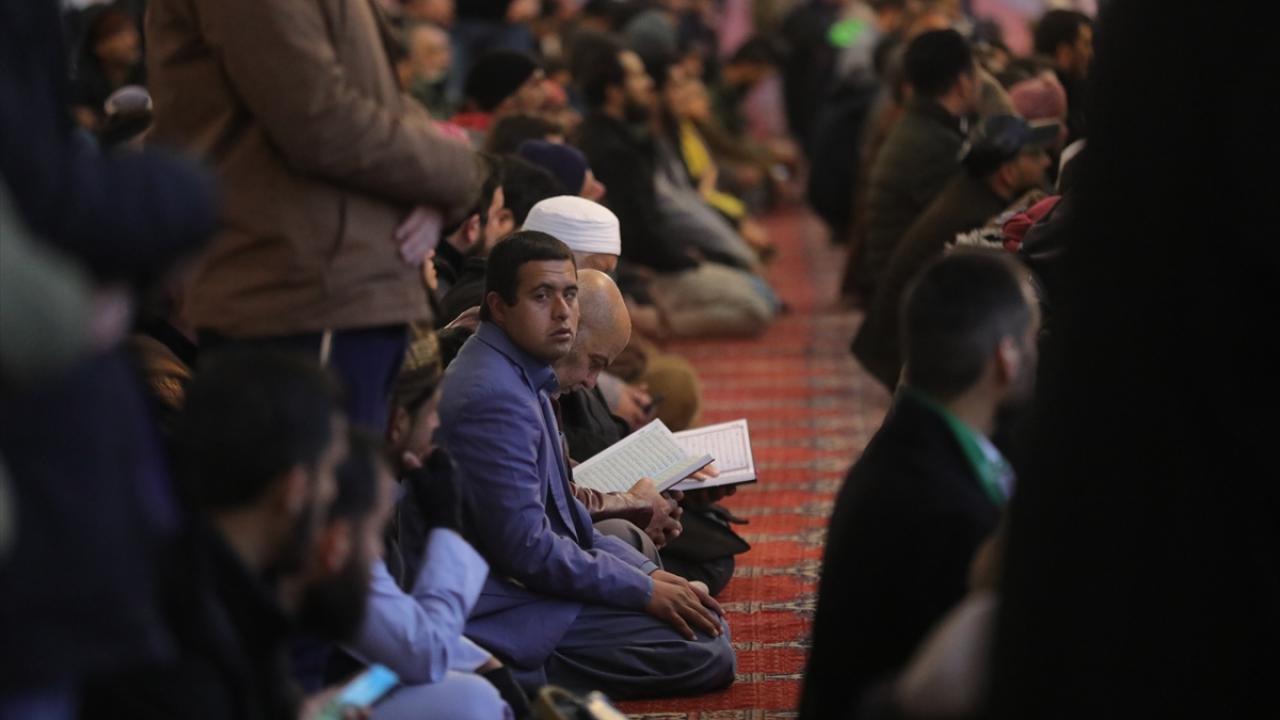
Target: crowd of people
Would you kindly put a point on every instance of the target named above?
(310, 310)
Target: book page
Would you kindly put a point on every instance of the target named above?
(730, 444)
(650, 452)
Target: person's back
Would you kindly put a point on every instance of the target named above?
(922, 151)
(298, 109)
(929, 488)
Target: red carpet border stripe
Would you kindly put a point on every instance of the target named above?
(811, 410)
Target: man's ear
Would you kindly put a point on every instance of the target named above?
(400, 426)
(497, 307)
(334, 545)
(1008, 360)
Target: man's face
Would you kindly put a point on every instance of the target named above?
(596, 261)
(592, 188)
(429, 53)
(530, 97)
(1023, 385)
(544, 319)
(120, 48)
(323, 486)
(1028, 170)
(333, 602)
(637, 87)
(581, 368)
(495, 224)
(422, 428)
(1082, 51)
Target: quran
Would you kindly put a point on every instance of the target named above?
(650, 452)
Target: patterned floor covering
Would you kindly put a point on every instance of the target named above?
(811, 410)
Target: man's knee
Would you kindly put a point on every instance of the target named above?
(459, 696)
(632, 535)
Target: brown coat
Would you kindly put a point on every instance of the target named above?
(296, 105)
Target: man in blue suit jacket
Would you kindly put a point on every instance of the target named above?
(563, 603)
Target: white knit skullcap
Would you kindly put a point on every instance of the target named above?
(585, 226)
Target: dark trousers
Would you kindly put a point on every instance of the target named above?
(366, 360)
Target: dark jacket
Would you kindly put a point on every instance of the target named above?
(231, 661)
(918, 158)
(906, 524)
(623, 158)
(92, 494)
(965, 204)
(300, 111)
(587, 424)
(467, 291)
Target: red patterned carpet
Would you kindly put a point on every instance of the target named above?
(811, 410)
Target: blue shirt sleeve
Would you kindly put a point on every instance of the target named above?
(417, 634)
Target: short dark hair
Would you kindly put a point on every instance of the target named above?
(954, 314)
(1058, 27)
(600, 69)
(525, 185)
(250, 416)
(507, 134)
(935, 60)
(358, 476)
(502, 272)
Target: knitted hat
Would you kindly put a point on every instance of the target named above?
(565, 162)
(497, 75)
(1040, 98)
(585, 226)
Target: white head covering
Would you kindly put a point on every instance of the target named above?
(585, 226)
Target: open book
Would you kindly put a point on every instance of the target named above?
(651, 451)
(730, 444)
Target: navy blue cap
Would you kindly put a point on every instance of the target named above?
(1000, 138)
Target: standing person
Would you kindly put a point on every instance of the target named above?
(563, 603)
(336, 184)
(922, 152)
(929, 488)
(1006, 158)
(1065, 37)
(79, 580)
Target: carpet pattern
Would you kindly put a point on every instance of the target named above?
(811, 410)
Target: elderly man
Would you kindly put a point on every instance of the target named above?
(563, 603)
(603, 331)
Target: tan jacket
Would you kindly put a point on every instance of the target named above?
(296, 105)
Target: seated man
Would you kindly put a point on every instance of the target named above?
(1006, 158)
(417, 635)
(256, 448)
(501, 83)
(563, 603)
(694, 298)
(929, 488)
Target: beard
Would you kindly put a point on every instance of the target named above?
(333, 607)
(635, 113)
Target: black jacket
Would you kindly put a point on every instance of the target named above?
(966, 203)
(906, 524)
(919, 156)
(623, 158)
(231, 661)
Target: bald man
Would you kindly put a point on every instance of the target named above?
(641, 516)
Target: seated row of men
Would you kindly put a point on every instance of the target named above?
(497, 566)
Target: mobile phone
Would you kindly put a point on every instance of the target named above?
(654, 401)
(364, 690)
